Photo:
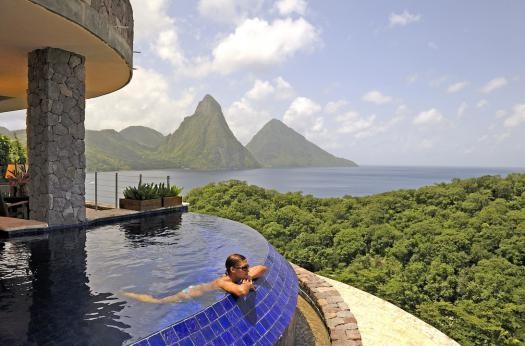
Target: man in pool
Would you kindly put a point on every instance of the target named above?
(238, 280)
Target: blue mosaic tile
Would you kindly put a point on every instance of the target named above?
(202, 319)
(260, 318)
(156, 340)
(228, 338)
(187, 342)
(192, 325)
(198, 338)
(208, 333)
(181, 330)
(211, 314)
(169, 336)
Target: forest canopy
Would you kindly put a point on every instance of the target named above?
(452, 254)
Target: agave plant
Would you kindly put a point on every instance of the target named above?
(142, 191)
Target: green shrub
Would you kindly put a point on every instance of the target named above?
(142, 191)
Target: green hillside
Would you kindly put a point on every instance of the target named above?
(109, 150)
(143, 135)
(277, 145)
(204, 141)
(451, 254)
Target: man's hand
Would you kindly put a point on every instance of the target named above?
(249, 283)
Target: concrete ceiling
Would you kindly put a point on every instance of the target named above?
(25, 26)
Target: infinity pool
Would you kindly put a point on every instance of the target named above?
(66, 287)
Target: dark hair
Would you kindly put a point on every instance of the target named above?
(233, 260)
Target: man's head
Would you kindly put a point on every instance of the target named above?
(237, 266)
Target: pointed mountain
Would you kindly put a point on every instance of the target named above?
(277, 145)
(143, 135)
(204, 141)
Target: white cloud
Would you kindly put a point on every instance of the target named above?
(376, 97)
(168, 48)
(144, 101)
(403, 19)
(261, 89)
(228, 11)
(257, 43)
(352, 123)
(333, 107)
(150, 18)
(482, 103)
(501, 114)
(15, 120)
(426, 144)
(517, 118)
(245, 120)
(303, 115)
(494, 84)
(454, 88)
(278, 89)
(287, 7)
(462, 108)
(430, 117)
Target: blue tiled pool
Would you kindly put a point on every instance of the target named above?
(65, 287)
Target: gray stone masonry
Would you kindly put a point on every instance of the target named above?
(55, 136)
(339, 320)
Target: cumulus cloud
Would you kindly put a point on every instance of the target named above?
(150, 18)
(144, 101)
(279, 89)
(482, 103)
(352, 123)
(376, 97)
(501, 114)
(462, 108)
(494, 84)
(334, 107)
(287, 7)
(260, 90)
(245, 120)
(168, 48)
(228, 11)
(429, 117)
(403, 19)
(257, 43)
(304, 116)
(456, 87)
(517, 118)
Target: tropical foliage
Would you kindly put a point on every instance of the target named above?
(452, 254)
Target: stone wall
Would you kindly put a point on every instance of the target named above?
(55, 136)
(119, 14)
(339, 320)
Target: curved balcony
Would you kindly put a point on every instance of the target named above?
(100, 30)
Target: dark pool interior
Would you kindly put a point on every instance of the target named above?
(65, 287)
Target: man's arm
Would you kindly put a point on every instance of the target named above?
(257, 271)
(189, 293)
(237, 290)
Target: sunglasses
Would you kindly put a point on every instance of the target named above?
(244, 267)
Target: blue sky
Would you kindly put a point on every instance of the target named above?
(378, 82)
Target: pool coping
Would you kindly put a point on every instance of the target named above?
(339, 320)
(23, 232)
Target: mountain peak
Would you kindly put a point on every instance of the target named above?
(277, 145)
(208, 105)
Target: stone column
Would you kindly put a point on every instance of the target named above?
(55, 136)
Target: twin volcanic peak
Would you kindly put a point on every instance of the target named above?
(277, 145)
(203, 141)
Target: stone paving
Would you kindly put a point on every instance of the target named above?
(382, 323)
(340, 321)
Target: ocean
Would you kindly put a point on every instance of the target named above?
(317, 181)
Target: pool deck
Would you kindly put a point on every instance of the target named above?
(383, 323)
(12, 227)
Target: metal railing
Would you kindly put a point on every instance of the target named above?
(105, 188)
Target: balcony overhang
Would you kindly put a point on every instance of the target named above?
(70, 25)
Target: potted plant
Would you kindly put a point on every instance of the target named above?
(141, 197)
(18, 178)
(170, 195)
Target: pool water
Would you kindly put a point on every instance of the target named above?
(66, 287)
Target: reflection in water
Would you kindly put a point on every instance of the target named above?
(45, 296)
(66, 287)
